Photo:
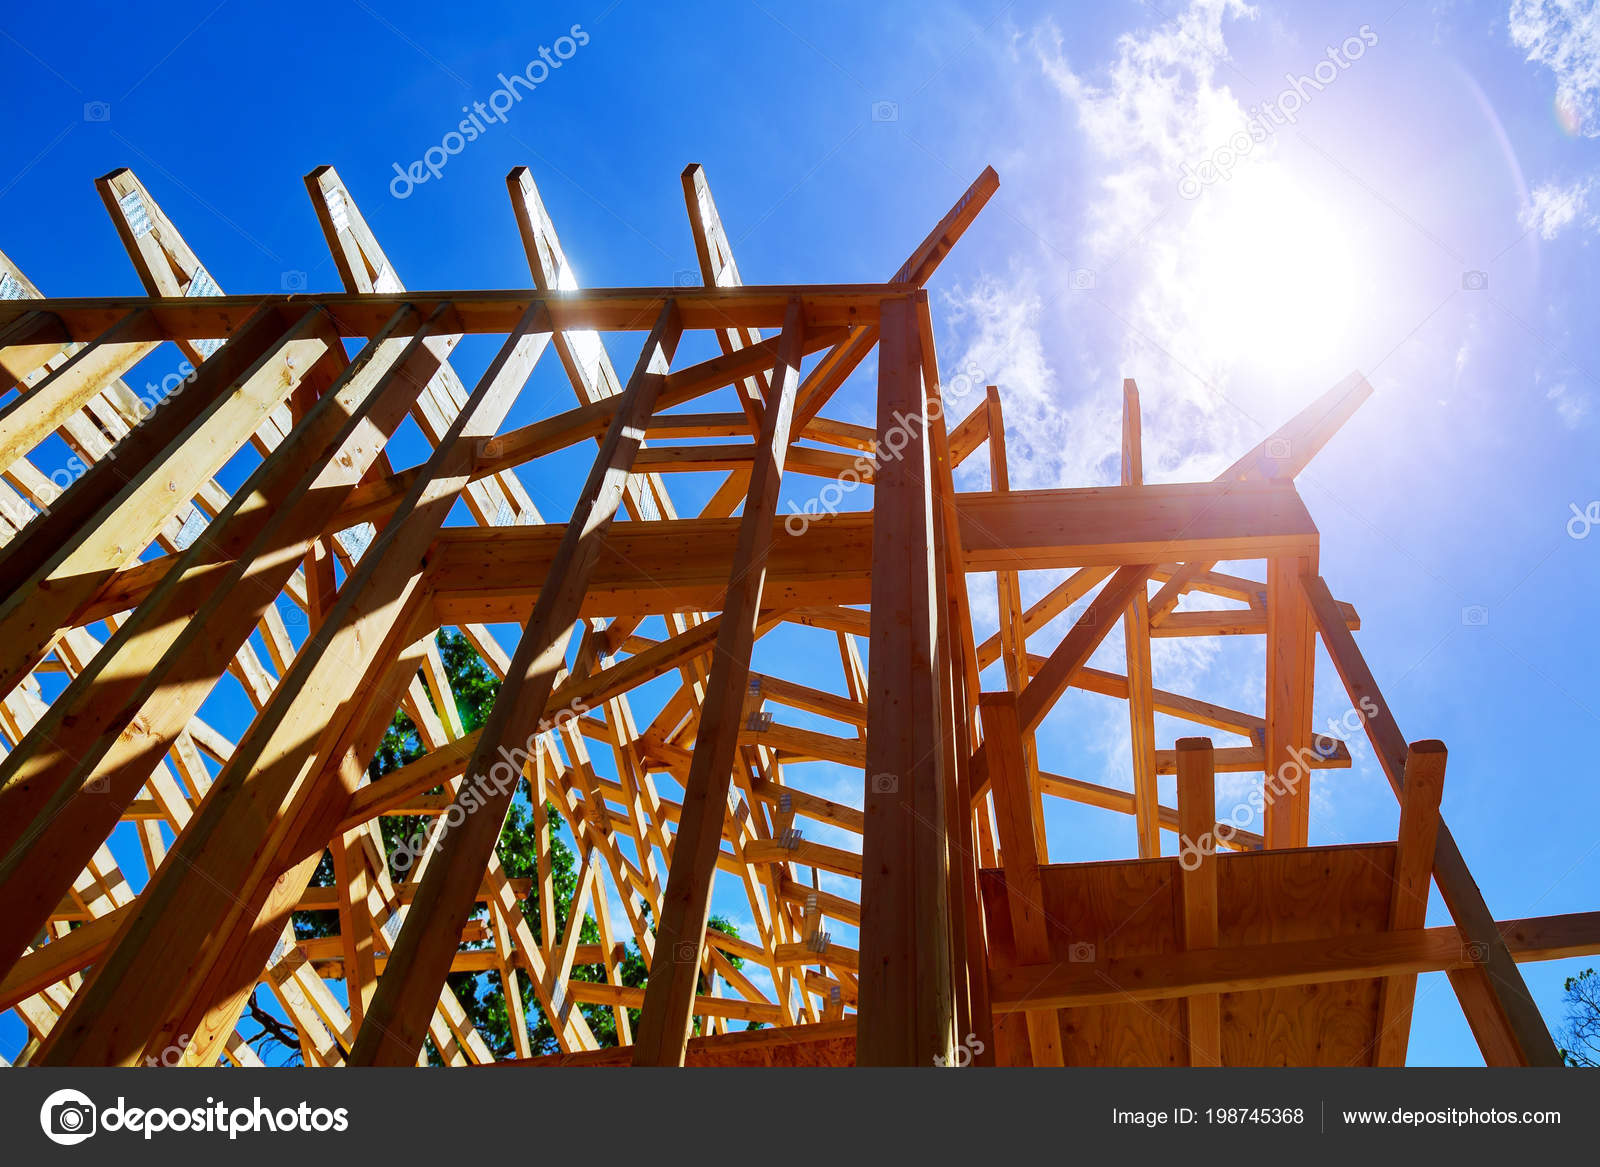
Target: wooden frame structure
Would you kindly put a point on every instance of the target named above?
(127, 597)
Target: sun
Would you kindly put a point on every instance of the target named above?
(1277, 284)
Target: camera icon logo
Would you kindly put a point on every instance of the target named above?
(1082, 280)
(97, 111)
(1475, 616)
(1081, 952)
(1474, 281)
(885, 111)
(686, 278)
(885, 784)
(68, 1117)
(1278, 449)
(294, 281)
(1477, 951)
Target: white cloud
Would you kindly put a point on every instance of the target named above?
(1553, 207)
(1049, 442)
(1564, 36)
(1210, 299)
(1570, 407)
(1155, 106)
(1176, 305)
(1159, 107)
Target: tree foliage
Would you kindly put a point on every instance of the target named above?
(1580, 1037)
(482, 995)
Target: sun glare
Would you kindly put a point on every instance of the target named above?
(1278, 285)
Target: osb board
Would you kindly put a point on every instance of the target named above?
(1268, 896)
(1121, 908)
(832, 1043)
(1135, 908)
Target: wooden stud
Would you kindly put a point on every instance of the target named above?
(1136, 643)
(664, 1027)
(906, 1011)
(393, 1032)
(1413, 879)
(1197, 856)
(1002, 732)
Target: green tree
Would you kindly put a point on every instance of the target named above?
(1580, 1037)
(482, 995)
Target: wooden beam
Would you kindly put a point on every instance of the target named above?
(168, 266)
(1053, 677)
(582, 353)
(973, 430)
(477, 310)
(1493, 994)
(217, 905)
(719, 270)
(397, 1021)
(1121, 801)
(51, 572)
(1013, 635)
(1282, 455)
(1290, 670)
(1014, 812)
(1121, 979)
(663, 1033)
(1197, 857)
(906, 1015)
(499, 500)
(1136, 645)
(1112, 526)
(1413, 878)
(43, 408)
(80, 768)
(681, 564)
(918, 268)
(1266, 966)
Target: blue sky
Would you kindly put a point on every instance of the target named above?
(1427, 216)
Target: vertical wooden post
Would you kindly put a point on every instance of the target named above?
(355, 922)
(1002, 735)
(1013, 639)
(1197, 859)
(1288, 737)
(1413, 877)
(1013, 636)
(1136, 642)
(906, 999)
(958, 673)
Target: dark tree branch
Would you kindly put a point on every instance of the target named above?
(272, 1029)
